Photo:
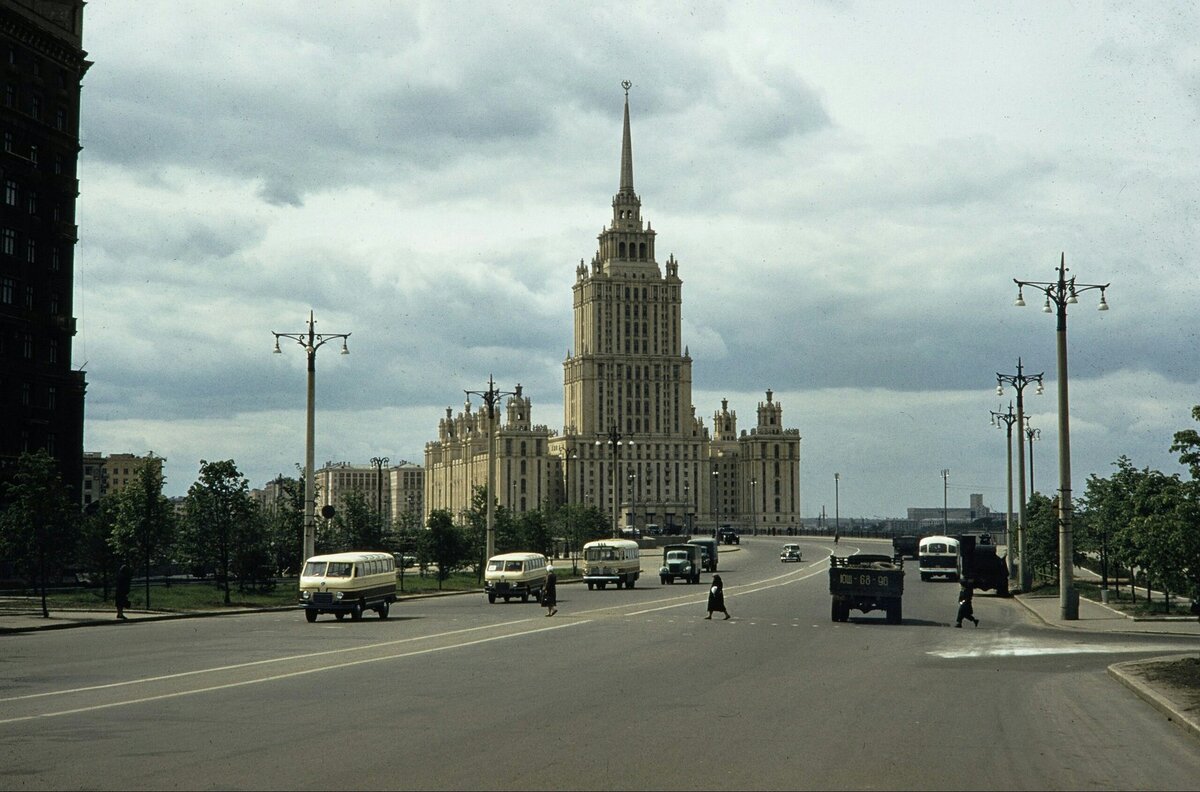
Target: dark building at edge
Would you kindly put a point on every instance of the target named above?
(42, 64)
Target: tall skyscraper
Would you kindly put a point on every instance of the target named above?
(628, 421)
(41, 397)
(631, 445)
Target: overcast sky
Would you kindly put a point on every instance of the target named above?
(850, 189)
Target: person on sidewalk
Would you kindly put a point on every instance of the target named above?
(716, 598)
(124, 584)
(966, 610)
(550, 592)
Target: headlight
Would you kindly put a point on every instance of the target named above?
(338, 595)
(687, 567)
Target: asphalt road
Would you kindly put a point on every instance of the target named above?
(621, 689)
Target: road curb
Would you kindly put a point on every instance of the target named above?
(1160, 702)
(1083, 627)
(110, 620)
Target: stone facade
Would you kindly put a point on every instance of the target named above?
(41, 396)
(632, 444)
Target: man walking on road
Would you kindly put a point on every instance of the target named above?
(124, 583)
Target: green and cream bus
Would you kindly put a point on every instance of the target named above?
(350, 583)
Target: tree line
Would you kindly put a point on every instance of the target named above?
(1141, 526)
(222, 534)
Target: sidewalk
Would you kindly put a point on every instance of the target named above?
(1179, 703)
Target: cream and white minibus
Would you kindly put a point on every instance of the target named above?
(351, 583)
(937, 555)
(511, 575)
(611, 561)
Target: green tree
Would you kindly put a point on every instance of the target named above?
(1164, 525)
(93, 551)
(1108, 506)
(1041, 534)
(38, 525)
(1187, 445)
(285, 526)
(534, 530)
(144, 525)
(444, 544)
(356, 524)
(219, 521)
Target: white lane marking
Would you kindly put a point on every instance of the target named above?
(1021, 649)
(252, 663)
(288, 675)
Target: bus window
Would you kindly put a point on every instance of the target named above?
(339, 569)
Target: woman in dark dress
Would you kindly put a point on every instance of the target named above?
(966, 610)
(716, 598)
(550, 593)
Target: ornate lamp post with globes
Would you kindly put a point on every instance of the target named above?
(1063, 292)
(1019, 381)
(311, 341)
(490, 397)
(1008, 419)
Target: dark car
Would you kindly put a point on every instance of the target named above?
(727, 535)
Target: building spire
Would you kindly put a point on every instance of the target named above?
(626, 147)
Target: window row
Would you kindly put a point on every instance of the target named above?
(12, 146)
(24, 394)
(30, 251)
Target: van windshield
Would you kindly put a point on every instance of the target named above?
(512, 566)
(339, 569)
(314, 568)
(600, 554)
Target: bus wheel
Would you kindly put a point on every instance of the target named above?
(629, 583)
(339, 615)
(525, 596)
(620, 583)
(382, 610)
(311, 615)
(491, 598)
(590, 586)
(356, 612)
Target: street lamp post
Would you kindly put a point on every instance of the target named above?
(633, 500)
(753, 508)
(311, 341)
(1008, 419)
(408, 499)
(379, 463)
(717, 499)
(1032, 434)
(613, 438)
(837, 515)
(490, 398)
(945, 499)
(1019, 381)
(687, 509)
(1063, 292)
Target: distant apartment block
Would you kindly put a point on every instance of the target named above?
(398, 491)
(107, 475)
